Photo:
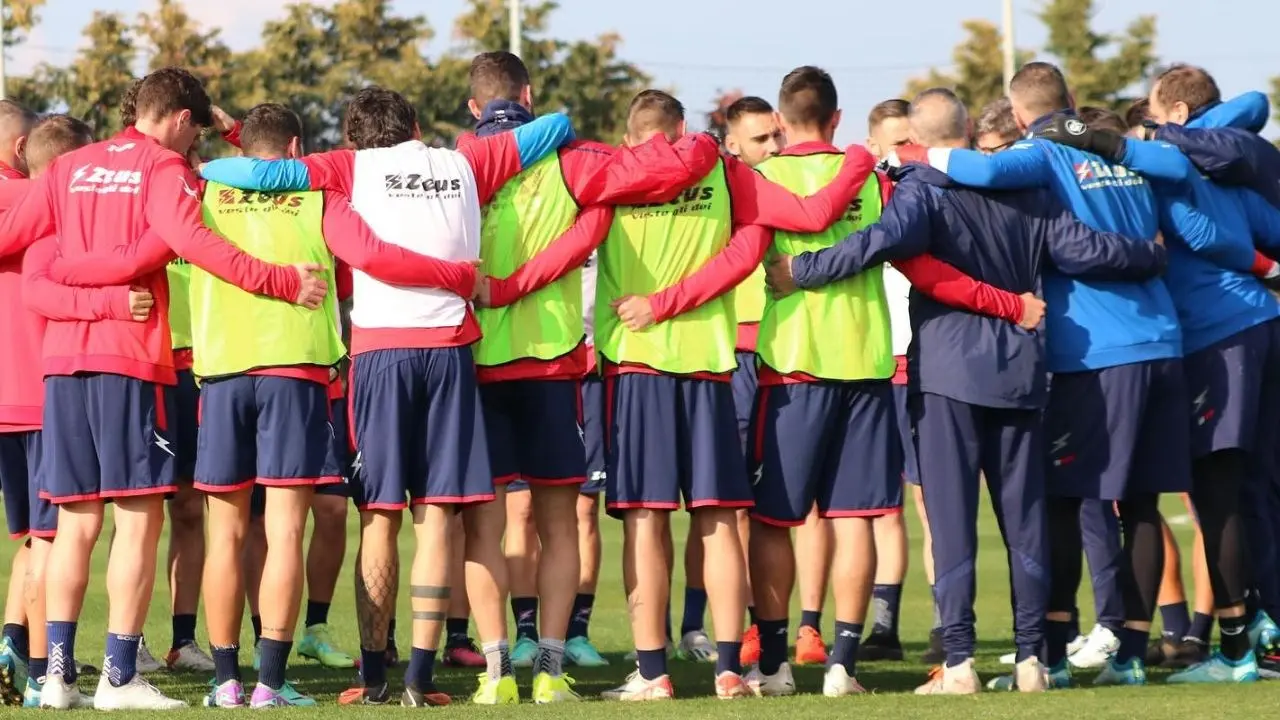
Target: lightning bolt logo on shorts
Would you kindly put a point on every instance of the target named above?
(358, 464)
(162, 443)
(1197, 407)
(758, 475)
(1058, 446)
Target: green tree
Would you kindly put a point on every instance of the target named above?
(95, 82)
(978, 73)
(18, 18)
(1101, 68)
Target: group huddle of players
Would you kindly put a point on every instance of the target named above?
(772, 332)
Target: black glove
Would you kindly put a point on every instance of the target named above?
(1072, 132)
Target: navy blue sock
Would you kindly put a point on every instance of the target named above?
(773, 644)
(845, 650)
(1175, 621)
(226, 663)
(810, 619)
(18, 640)
(1074, 625)
(373, 667)
(751, 615)
(581, 619)
(1133, 644)
(122, 658)
(1201, 628)
(455, 631)
(729, 657)
(695, 609)
(62, 649)
(1056, 636)
(391, 634)
(526, 611)
(1233, 636)
(886, 599)
(317, 613)
(184, 630)
(421, 670)
(275, 657)
(256, 622)
(652, 663)
(38, 668)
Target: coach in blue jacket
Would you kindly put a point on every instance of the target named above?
(978, 383)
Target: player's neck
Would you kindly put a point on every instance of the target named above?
(155, 131)
(796, 136)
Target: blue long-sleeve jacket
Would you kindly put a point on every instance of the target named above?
(1090, 324)
(1001, 238)
(1223, 143)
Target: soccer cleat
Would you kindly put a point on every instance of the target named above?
(1098, 649)
(1077, 644)
(880, 647)
(579, 651)
(286, 696)
(731, 686)
(58, 695)
(412, 697)
(137, 694)
(13, 674)
(147, 663)
(695, 646)
(191, 658)
(1057, 678)
(257, 657)
(936, 654)
(810, 650)
(1190, 651)
(31, 694)
(778, 684)
(1031, 675)
(839, 683)
(959, 680)
(549, 689)
(524, 653)
(671, 652)
(317, 644)
(499, 692)
(229, 694)
(1009, 658)
(637, 689)
(1263, 633)
(468, 655)
(1218, 669)
(1132, 673)
(1159, 650)
(750, 654)
(361, 695)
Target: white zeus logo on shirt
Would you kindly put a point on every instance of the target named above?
(162, 443)
(100, 180)
(1074, 127)
(121, 148)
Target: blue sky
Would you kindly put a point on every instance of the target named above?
(702, 46)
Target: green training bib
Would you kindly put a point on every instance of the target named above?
(179, 272)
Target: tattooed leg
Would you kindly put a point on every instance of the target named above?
(377, 576)
(429, 579)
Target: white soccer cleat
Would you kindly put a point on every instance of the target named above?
(959, 680)
(1098, 649)
(1010, 659)
(147, 663)
(637, 689)
(1030, 675)
(137, 694)
(1074, 646)
(56, 694)
(189, 658)
(695, 646)
(839, 683)
(776, 685)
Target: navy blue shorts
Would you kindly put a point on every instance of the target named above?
(910, 464)
(535, 431)
(106, 436)
(339, 449)
(834, 443)
(186, 424)
(25, 511)
(1117, 431)
(593, 414)
(671, 437)
(746, 379)
(1227, 383)
(264, 430)
(419, 430)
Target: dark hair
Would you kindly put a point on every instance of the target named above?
(997, 118)
(378, 118)
(654, 110)
(129, 105)
(1102, 119)
(170, 90)
(748, 105)
(269, 128)
(1187, 84)
(895, 108)
(53, 136)
(1041, 88)
(497, 76)
(808, 97)
(1138, 113)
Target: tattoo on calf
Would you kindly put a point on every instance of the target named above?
(376, 588)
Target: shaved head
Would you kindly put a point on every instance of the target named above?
(938, 118)
(15, 125)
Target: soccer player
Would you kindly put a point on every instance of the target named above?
(419, 437)
(107, 378)
(988, 416)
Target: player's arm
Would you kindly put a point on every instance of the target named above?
(655, 171)
(351, 239)
(1024, 165)
(1077, 249)
(333, 170)
(903, 232)
(495, 159)
(1264, 220)
(948, 285)
(567, 253)
(31, 218)
(173, 210)
(718, 276)
(1179, 216)
(59, 302)
(757, 201)
(117, 267)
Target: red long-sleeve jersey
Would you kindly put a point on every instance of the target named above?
(112, 192)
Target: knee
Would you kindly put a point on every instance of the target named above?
(186, 511)
(588, 515)
(330, 515)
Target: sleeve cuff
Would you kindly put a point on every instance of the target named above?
(118, 304)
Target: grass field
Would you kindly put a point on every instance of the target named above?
(890, 683)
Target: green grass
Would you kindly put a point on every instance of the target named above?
(891, 683)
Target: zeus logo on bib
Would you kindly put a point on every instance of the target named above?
(413, 185)
(694, 200)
